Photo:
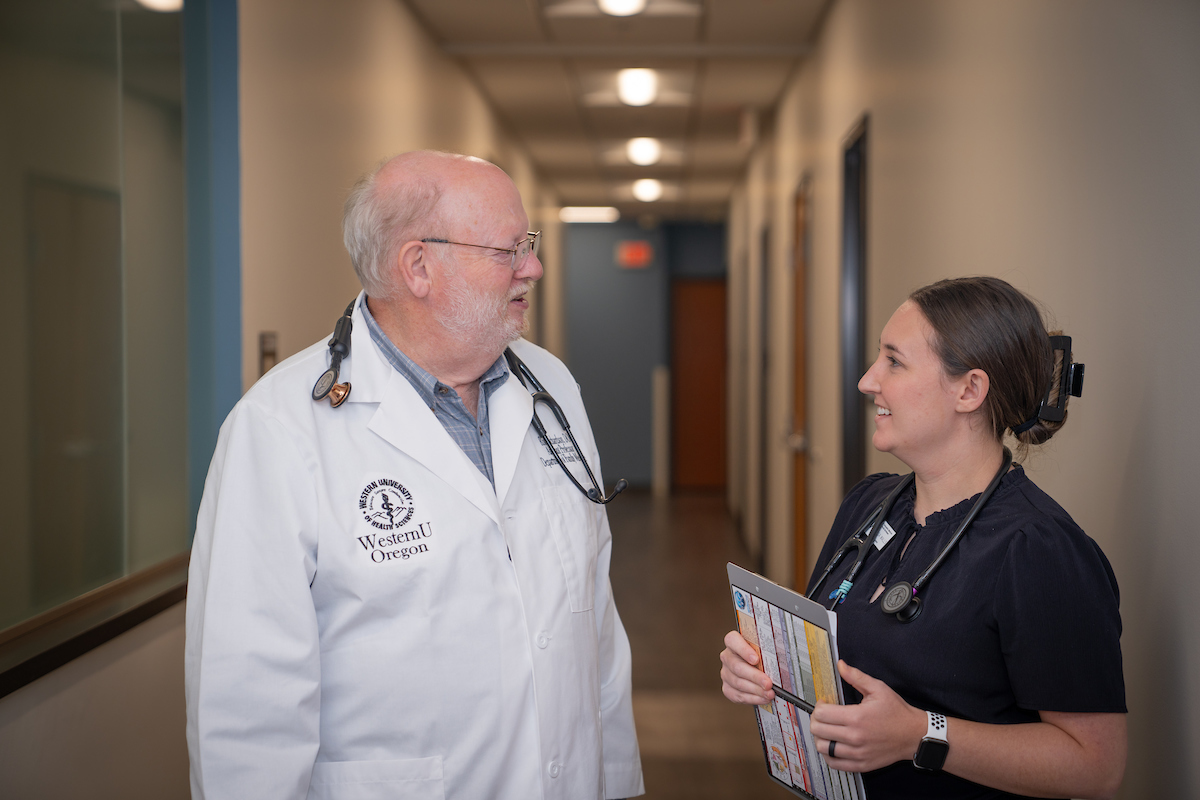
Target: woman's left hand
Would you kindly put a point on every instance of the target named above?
(879, 731)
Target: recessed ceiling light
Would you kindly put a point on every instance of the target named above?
(622, 8)
(637, 87)
(588, 214)
(643, 151)
(162, 5)
(647, 190)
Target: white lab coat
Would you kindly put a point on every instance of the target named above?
(356, 626)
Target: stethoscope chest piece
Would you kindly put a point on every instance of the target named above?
(339, 348)
(324, 384)
(902, 601)
(338, 393)
(326, 387)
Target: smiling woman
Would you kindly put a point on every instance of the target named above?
(1009, 682)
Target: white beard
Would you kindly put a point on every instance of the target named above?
(480, 320)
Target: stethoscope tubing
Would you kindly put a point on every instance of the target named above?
(540, 395)
(1005, 465)
(857, 542)
(339, 348)
(875, 522)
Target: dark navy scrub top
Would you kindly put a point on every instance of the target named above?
(1022, 616)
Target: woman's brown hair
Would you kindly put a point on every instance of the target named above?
(985, 323)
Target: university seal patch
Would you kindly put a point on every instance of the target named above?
(386, 504)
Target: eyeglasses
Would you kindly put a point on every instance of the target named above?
(518, 254)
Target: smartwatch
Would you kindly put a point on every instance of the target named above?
(931, 753)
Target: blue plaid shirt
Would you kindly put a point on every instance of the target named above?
(471, 433)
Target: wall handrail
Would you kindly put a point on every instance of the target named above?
(35, 647)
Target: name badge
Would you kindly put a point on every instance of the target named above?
(884, 536)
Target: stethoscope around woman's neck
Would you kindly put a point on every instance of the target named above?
(902, 599)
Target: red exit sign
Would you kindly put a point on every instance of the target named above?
(634, 254)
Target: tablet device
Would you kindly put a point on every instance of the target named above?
(796, 640)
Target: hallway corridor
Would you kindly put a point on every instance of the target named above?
(669, 579)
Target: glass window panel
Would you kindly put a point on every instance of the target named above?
(92, 298)
(155, 285)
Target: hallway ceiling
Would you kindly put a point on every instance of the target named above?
(549, 69)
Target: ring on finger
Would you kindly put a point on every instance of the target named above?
(832, 745)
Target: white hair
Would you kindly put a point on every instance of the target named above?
(375, 224)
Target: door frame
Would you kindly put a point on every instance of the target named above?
(853, 303)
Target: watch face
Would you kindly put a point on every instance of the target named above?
(931, 754)
(323, 385)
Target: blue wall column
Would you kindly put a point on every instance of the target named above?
(213, 170)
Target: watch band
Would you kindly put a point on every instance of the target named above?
(935, 726)
(933, 749)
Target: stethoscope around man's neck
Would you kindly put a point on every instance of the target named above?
(339, 348)
(902, 599)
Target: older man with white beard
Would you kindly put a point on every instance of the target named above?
(396, 588)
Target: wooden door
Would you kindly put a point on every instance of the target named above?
(798, 439)
(697, 383)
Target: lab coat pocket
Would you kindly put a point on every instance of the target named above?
(411, 779)
(573, 525)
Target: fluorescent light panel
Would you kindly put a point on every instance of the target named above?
(637, 87)
(622, 8)
(648, 190)
(588, 214)
(643, 151)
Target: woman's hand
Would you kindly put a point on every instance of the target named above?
(1064, 755)
(881, 730)
(742, 679)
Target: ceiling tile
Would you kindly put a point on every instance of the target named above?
(718, 153)
(580, 192)
(533, 96)
(617, 123)
(614, 30)
(744, 82)
(549, 69)
(709, 191)
(560, 153)
(719, 123)
(512, 21)
(776, 22)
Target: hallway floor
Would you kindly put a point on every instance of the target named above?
(669, 579)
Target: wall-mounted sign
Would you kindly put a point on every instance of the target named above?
(633, 254)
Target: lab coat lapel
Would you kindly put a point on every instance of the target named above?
(510, 410)
(405, 422)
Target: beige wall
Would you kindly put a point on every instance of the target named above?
(1053, 145)
(110, 724)
(746, 356)
(328, 90)
(735, 258)
(549, 300)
